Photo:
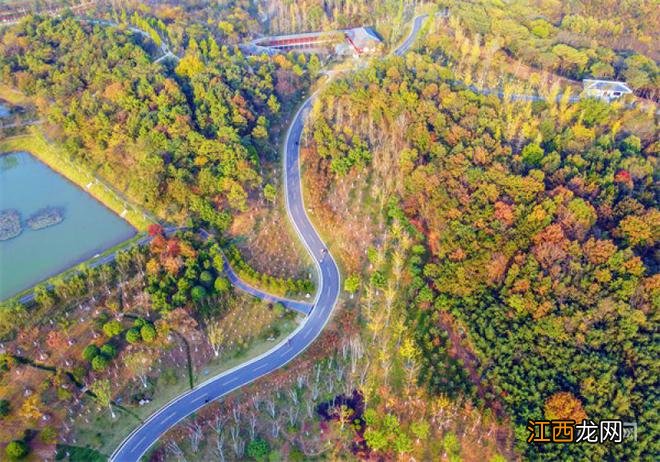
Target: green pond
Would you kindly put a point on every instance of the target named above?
(86, 228)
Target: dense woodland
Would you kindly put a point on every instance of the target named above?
(388, 16)
(540, 227)
(500, 256)
(605, 40)
(185, 143)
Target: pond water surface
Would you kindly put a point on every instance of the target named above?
(88, 227)
(4, 111)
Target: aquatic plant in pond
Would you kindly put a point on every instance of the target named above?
(10, 224)
(45, 217)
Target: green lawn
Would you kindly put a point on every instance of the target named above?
(13, 96)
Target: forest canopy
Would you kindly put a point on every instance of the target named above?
(540, 226)
(184, 144)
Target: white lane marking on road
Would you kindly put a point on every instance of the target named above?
(199, 397)
(231, 380)
(138, 443)
(307, 334)
(261, 367)
(168, 417)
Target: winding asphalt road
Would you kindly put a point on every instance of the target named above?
(407, 43)
(301, 307)
(329, 282)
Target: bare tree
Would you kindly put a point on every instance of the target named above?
(103, 393)
(236, 414)
(256, 401)
(237, 443)
(315, 383)
(253, 425)
(218, 424)
(276, 427)
(292, 411)
(293, 394)
(220, 447)
(309, 406)
(139, 364)
(174, 449)
(195, 433)
(270, 407)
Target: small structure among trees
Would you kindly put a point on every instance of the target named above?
(606, 90)
(356, 41)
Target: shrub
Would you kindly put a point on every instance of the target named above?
(7, 361)
(296, 455)
(258, 449)
(90, 352)
(108, 351)
(112, 328)
(17, 449)
(221, 285)
(279, 309)
(5, 408)
(198, 293)
(206, 278)
(79, 372)
(270, 193)
(532, 154)
(148, 333)
(99, 363)
(63, 394)
(48, 435)
(133, 335)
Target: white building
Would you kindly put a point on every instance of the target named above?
(607, 90)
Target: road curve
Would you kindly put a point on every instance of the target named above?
(141, 439)
(329, 284)
(407, 43)
(296, 305)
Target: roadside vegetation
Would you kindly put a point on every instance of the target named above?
(105, 348)
(498, 254)
(489, 253)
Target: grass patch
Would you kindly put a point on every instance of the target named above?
(15, 97)
(35, 143)
(260, 346)
(78, 454)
